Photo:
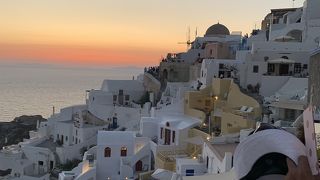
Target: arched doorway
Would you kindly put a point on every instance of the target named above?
(165, 74)
(164, 79)
(296, 34)
(139, 166)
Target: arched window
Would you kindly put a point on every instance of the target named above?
(123, 151)
(107, 152)
(296, 35)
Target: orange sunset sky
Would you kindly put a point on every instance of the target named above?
(116, 32)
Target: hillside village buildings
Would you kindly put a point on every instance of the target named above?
(186, 117)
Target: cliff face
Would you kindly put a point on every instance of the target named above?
(18, 129)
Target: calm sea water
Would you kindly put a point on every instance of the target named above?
(34, 89)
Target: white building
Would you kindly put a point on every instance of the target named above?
(216, 68)
(124, 91)
(289, 102)
(288, 38)
(169, 130)
(119, 155)
(218, 157)
(67, 134)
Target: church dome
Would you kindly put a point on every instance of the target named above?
(217, 29)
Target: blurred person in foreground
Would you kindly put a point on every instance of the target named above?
(271, 153)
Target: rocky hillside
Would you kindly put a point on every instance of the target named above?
(18, 129)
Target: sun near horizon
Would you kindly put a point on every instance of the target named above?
(116, 32)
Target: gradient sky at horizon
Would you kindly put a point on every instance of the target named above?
(116, 32)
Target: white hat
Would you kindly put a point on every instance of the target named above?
(265, 142)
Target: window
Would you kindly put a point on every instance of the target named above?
(167, 124)
(255, 69)
(127, 97)
(40, 163)
(271, 68)
(123, 152)
(120, 92)
(305, 66)
(114, 97)
(190, 172)
(173, 136)
(221, 66)
(297, 67)
(107, 152)
(266, 58)
(57, 136)
(161, 133)
(66, 138)
(290, 114)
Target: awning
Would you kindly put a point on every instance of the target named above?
(281, 61)
(284, 38)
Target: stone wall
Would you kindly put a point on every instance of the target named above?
(314, 80)
(174, 71)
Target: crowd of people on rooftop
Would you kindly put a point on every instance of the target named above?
(154, 71)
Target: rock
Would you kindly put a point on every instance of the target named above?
(18, 129)
(30, 120)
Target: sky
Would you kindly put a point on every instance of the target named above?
(116, 32)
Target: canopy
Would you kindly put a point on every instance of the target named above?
(281, 61)
(284, 38)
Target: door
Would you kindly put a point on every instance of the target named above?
(167, 137)
(139, 166)
(121, 97)
(284, 69)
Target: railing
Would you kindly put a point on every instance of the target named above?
(169, 156)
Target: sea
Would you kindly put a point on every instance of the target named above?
(32, 89)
